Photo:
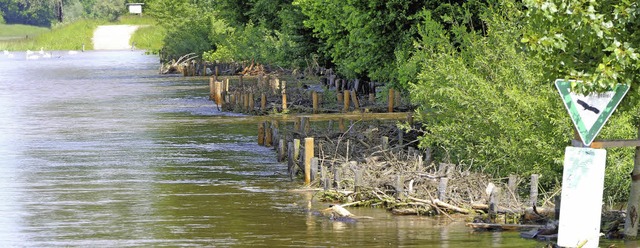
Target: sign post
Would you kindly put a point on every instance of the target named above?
(589, 113)
(582, 187)
(583, 173)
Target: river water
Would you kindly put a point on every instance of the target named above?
(98, 150)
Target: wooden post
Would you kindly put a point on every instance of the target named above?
(399, 186)
(324, 178)
(303, 125)
(494, 202)
(284, 95)
(341, 125)
(533, 193)
(232, 100)
(212, 89)
(513, 187)
(391, 101)
(314, 168)
(308, 154)
(385, 142)
(261, 134)
(268, 135)
(245, 104)
(291, 162)
(314, 99)
(336, 177)
(284, 101)
(397, 99)
(633, 205)
(251, 102)
(275, 137)
(263, 101)
(442, 189)
(400, 138)
(357, 178)
(215, 76)
(346, 101)
(340, 96)
(281, 150)
(372, 94)
(218, 93)
(354, 97)
(296, 150)
(307, 126)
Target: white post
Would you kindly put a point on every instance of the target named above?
(582, 187)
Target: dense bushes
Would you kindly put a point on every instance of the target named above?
(481, 101)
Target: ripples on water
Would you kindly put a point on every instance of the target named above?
(98, 150)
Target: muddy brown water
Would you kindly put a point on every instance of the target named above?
(98, 150)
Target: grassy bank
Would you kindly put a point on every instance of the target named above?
(64, 37)
(149, 37)
(19, 31)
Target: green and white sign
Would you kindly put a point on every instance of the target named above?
(589, 113)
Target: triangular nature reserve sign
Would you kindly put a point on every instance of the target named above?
(590, 112)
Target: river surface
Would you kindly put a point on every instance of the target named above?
(98, 150)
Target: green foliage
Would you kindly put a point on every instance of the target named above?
(187, 25)
(592, 41)
(34, 12)
(149, 38)
(107, 9)
(361, 38)
(13, 31)
(482, 101)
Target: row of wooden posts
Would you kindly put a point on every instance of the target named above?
(245, 99)
(268, 135)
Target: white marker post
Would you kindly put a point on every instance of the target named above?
(582, 187)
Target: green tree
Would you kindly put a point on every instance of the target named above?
(187, 24)
(592, 41)
(480, 97)
(361, 37)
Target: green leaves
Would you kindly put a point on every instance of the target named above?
(585, 40)
(481, 98)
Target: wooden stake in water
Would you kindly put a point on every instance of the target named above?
(308, 154)
(354, 97)
(261, 134)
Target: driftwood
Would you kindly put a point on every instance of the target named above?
(442, 204)
(174, 66)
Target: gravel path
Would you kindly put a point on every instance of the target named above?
(113, 37)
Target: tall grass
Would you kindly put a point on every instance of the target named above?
(19, 31)
(70, 36)
(150, 38)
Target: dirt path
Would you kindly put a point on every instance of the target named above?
(113, 37)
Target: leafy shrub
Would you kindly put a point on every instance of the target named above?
(482, 101)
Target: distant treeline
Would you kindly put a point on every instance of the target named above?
(44, 13)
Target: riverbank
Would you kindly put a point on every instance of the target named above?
(352, 155)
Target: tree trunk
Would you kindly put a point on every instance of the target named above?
(631, 220)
